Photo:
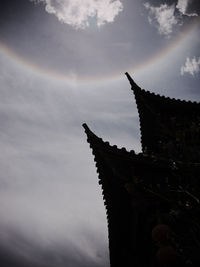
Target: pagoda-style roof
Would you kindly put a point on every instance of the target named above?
(156, 189)
(169, 127)
(135, 184)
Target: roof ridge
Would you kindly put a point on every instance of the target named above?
(90, 134)
(134, 87)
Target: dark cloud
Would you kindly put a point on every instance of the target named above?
(194, 7)
(19, 251)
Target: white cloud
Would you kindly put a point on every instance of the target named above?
(191, 66)
(78, 13)
(163, 16)
(182, 6)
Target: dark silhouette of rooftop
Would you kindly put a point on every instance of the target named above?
(152, 199)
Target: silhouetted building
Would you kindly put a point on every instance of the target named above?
(152, 199)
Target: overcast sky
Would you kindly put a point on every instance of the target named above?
(62, 63)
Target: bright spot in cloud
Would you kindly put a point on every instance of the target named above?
(191, 66)
(78, 13)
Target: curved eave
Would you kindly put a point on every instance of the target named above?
(140, 160)
(161, 103)
(135, 87)
(112, 156)
(99, 147)
(113, 187)
(97, 143)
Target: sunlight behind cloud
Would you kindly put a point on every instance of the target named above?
(78, 13)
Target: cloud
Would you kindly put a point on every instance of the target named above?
(80, 14)
(166, 17)
(182, 6)
(191, 66)
(43, 195)
(163, 16)
(20, 251)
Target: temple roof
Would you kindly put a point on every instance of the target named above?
(160, 184)
(147, 180)
(169, 127)
(127, 164)
(116, 168)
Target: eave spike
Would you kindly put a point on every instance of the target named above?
(89, 133)
(132, 83)
(87, 129)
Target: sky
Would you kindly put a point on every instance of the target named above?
(62, 63)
